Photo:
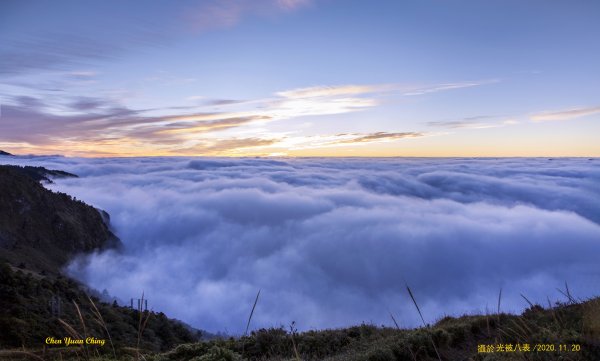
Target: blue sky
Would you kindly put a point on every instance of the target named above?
(300, 78)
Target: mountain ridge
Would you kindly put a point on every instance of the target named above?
(41, 231)
(42, 228)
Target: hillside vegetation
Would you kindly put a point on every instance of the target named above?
(40, 231)
(26, 318)
(574, 325)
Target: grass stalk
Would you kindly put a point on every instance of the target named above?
(499, 301)
(416, 305)
(527, 300)
(143, 321)
(293, 333)
(423, 319)
(398, 328)
(72, 332)
(395, 323)
(100, 321)
(571, 298)
(85, 348)
(251, 313)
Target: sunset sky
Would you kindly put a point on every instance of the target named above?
(300, 78)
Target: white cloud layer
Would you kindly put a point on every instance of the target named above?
(331, 242)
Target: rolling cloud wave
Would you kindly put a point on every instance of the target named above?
(332, 242)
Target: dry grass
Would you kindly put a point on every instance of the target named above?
(100, 320)
(143, 321)
(251, 313)
(554, 322)
(85, 348)
(424, 323)
(527, 300)
(591, 321)
(292, 334)
(20, 354)
(249, 320)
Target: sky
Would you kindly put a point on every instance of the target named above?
(333, 242)
(300, 78)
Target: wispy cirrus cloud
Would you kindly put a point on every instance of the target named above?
(219, 102)
(354, 89)
(87, 103)
(227, 13)
(91, 120)
(473, 122)
(293, 108)
(50, 52)
(293, 4)
(323, 141)
(62, 44)
(330, 91)
(227, 146)
(82, 75)
(377, 137)
(463, 124)
(566, 114)
(338, 99)
(221, 122)
(310, 101)
(447, 86)
(99, 122)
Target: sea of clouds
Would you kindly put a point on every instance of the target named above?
(333, 242)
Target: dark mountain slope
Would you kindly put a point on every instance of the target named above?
(40, 231)
(4, 153)
(44, 229)
(41, 173)
(27, 317)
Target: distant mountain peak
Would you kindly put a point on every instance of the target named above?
(5, 153)
(41, 174)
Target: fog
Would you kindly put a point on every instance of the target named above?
(334, 242)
